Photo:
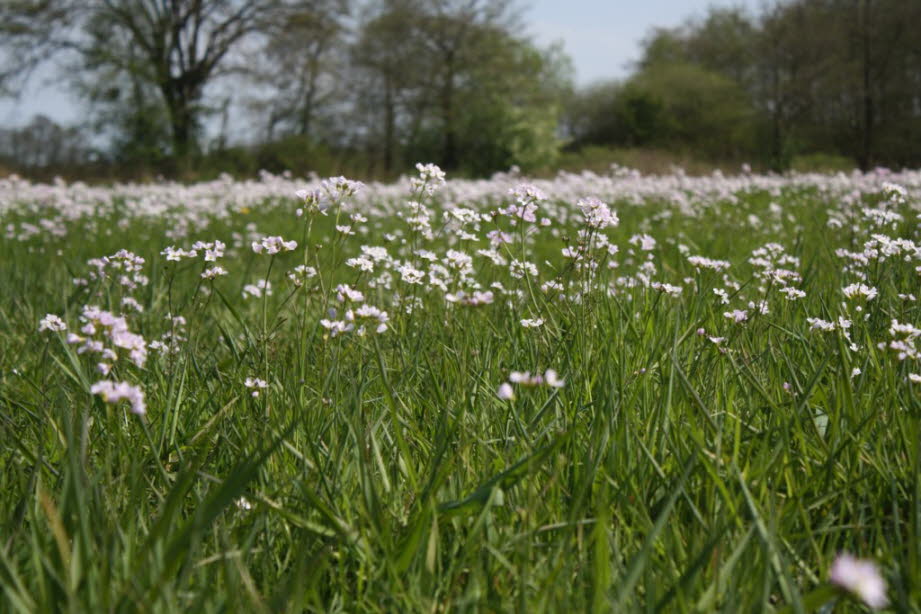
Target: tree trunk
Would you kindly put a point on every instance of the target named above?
(449, 145)
(866, 146)
(389, 126)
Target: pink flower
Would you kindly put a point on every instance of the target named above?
(113, 392)
(861, 578)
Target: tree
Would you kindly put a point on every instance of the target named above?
(390, 74)
(43, 144)
(176, 46)
(302, 70)
(454, 82)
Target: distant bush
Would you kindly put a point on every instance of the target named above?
(822, 163)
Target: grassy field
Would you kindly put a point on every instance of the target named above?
(595, 393)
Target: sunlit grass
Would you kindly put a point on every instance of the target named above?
(687, 463)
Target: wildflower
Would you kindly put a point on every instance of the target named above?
(410, 274)
(736, 315)
(256, 385)
(519, 269)
(644, 241)
(552, 380)
(213, 273)
(362, 263)
(314, 201)
(337, 327)
(524, 378)
(340, 187)
(113, 392)
(53, 323)
(701, 262)
(820, 325)
(860, 578)
(132, 303)
(345, 293)
(300, 274)
(368, 312)
(475, 299)
(273, 245)
(430, 179)
(666, 288)
(258, 289)
(860, 290)
(532, 323)
(505, 392)
(176, 254)
(597, 214)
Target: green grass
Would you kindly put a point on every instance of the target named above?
(669, 474)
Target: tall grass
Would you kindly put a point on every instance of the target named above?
(670, 473)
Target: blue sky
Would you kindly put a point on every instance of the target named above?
(601, 36)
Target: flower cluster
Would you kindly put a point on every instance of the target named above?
(273, 245)
(113, 392)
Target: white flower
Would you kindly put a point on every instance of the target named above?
(518, 269)
(666, 288)
(176, 254)
(524, 378)
(113, 392)
(736, 315)
(861, 578)
(861, 290)
(430, 178)
(645, 242)
(410, 274)
(53, 323)
(213, 273)
(552, 380)
(702, 262)
(532, 323)
(821, 325)
(346, 293)
(273, 245)
(505, 392)
(337, 327)
(300, 274)
(256, 385)
(597, 214)
(262, 286)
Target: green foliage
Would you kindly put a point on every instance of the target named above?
(822, 163)
(686, 106)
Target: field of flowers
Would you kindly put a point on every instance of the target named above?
(591, 393)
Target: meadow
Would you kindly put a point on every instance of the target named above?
(596, 392)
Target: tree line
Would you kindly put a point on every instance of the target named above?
(384, 83)
(802, 77)
(371, 87)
